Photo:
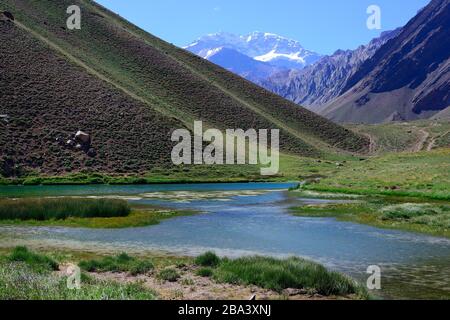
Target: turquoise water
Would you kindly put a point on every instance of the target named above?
(246, 219)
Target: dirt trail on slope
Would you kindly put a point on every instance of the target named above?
(372, 143)
(432, 143)
(419, 146)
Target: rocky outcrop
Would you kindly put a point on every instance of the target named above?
(83, 138)
(80, 141)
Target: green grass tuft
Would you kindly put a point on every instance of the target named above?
(205, 272)
(208, 259)
(20, 282)
(61, 208)
(34, 260)
(277, 275)
(407, 211)
(119, 263)
(168, 274)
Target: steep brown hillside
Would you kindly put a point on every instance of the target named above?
(45, 100)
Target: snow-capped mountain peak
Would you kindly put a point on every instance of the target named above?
(265, 47)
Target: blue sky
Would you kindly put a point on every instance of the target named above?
(320, 25)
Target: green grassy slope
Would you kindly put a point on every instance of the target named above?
(171, 83)
(415, 136)
(423, 174)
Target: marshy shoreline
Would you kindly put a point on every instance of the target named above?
(419, 215)
(155, 276)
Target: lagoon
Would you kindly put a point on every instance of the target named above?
(247, 219)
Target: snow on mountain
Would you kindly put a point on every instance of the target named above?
(241, 64)
(279, 53)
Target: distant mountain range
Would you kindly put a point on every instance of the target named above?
(316, 85)
(408, 78)
(402, 75)
(255, 56)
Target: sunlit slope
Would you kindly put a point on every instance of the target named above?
(169, 82)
